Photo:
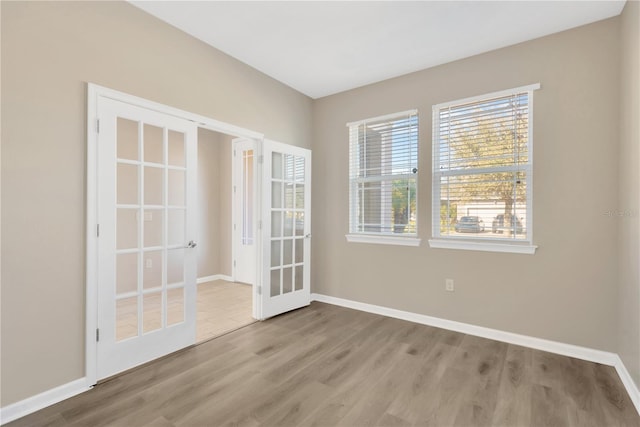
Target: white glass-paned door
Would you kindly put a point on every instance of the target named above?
(146, 261)
(244, 229)
(286, 240)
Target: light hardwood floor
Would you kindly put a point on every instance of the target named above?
(222, 307)
(328, 366)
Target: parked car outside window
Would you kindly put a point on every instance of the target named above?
(499, 226)
(469, 224)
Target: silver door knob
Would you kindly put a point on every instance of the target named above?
(308, 236)
(191, 244)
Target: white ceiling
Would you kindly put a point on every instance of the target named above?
(325, 47)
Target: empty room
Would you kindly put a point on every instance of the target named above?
(320, 213)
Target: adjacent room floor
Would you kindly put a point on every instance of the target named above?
(222, 307)
(332, 366)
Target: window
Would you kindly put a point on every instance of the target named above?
(482, 165)
(383, 171)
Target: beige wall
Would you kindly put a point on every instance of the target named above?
(566, 291)
(629, 191)
(49, 51)
(225, 220)
(208, 203)
(214, 203)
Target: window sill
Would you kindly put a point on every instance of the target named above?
(383, 240)
(483, 246)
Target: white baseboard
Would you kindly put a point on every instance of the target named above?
(42, 400)
(584, 353)
(214, 277)
(629, 384)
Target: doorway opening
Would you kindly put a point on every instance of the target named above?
(226, 227)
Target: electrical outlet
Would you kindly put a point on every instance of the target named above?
(449, 285)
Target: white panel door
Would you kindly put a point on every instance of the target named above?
(244, 211)
(286, 242)
(146, 258)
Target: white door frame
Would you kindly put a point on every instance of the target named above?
(94, 92)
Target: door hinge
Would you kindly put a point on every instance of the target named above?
(97, 125)
(97, 230)
(260, 225)
(234, 227)
(234, 153)
(97, 335)
(259, 290)
(234, 263)
(260, 158)
(234, 189)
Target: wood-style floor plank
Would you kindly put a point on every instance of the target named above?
(330, 366)
(513, 406)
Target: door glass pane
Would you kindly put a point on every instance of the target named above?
(152, 273)
(276, 194)
(287, 258)
(176, 188)
(288, 223)
(276, 224)
(151, 311)
(299, 250)
(299, 199)
(287, 280)
(176, 148)
(299, 172)
(126, 273)
(153, 147)
(299, 223)
(127, 144)
(288, 167)
(127, 228)
(153, 227)
(126, 318)
(276, 165)
(127, 184)
(275, 253)
(288, 195)
(175, 306)
(275, 282)
(175, 266)
(176, 226)
(299, 277)
(153, 186)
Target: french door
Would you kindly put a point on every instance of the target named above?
(286, 237)
(146, 256)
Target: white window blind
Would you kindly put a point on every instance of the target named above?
(383, 171)
(482, 167)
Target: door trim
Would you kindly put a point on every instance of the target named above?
(94, 93)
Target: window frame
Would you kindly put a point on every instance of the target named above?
(386, 238)
(491, 244)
